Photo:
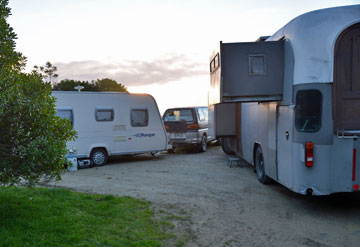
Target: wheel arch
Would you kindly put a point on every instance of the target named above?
(99, 146)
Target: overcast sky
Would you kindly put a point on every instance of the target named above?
(157, 47)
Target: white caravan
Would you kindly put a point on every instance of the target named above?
(111, 124)
(289, 104)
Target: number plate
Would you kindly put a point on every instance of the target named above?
(178, 135)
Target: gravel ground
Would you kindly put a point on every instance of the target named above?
(211, 204)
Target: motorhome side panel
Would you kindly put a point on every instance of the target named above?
(252, 71)
(258, 127)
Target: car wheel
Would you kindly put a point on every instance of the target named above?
(203, 144)
(98, 157)
(260, 166)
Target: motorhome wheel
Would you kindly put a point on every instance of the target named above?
(226, 146)
(98, 157)
(260, 166)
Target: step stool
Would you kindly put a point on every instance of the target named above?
(232, 160)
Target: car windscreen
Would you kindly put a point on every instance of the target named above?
(179, 115)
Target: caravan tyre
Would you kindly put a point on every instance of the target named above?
(260, 166)
(98, 157)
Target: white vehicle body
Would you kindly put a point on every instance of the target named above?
(119, 123)
(321, 56)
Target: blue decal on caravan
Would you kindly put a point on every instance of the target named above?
(141, 135)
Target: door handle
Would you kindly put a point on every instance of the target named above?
(287, 135)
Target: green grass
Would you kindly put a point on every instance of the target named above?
(59, 217)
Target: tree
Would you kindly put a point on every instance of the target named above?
(107, 84)
(97, 86)
(47, 71)
(32, 138)
(9, 58)
(68, 85)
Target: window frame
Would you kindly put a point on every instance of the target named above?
(71, 114)
(146, 117)
(250, 63)
(97, 109)
(297, 110)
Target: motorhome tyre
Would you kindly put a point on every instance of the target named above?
(225, 146)
(98, 157)
(260, 166)
(203, 144)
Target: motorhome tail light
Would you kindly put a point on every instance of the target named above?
(193, 126)
(309, 154)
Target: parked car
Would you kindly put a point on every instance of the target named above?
(187, 126)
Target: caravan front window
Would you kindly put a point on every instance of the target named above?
(66, 114)
(308, 110)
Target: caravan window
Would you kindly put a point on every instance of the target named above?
(66, 114)
(308, 110)
(139, 118)
(103, 115)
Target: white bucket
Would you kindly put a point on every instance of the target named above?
(72, 167)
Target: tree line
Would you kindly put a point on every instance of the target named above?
(48, 73)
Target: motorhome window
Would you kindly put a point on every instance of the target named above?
(201, 114)
(308, 110)
(257, 64)
(139, 118)
(214, 64)
(216, 61)
(179, 115)
(66, 114)
(104, 115)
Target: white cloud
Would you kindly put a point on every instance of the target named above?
(168, 68)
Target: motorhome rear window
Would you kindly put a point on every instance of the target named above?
(103, 115)
(308, 110)
(66, 114)
(178, 115)
(139, 117)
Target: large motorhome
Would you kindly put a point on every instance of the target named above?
(111, 124)
(289, 104)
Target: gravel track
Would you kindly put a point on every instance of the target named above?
(222, 206)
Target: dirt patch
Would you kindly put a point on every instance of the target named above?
(210, 204)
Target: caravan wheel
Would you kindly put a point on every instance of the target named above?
(260, 166)
(98, 157)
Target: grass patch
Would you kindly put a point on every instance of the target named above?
(59, 217)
